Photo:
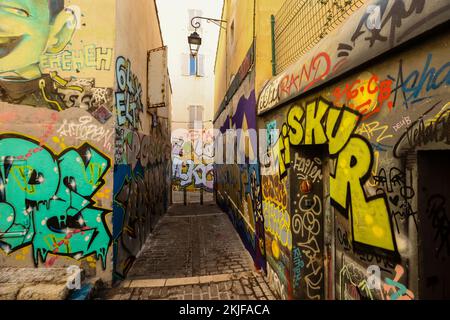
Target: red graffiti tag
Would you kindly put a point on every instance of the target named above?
(366, 97)
(65, 241)
(310, 74)
(43, 139)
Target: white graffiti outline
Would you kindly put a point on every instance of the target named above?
(308, 226)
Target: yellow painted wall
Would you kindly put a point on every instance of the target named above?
(137, 32)
(220, 84)
(264, 9)
(230, 54)
(79, 54)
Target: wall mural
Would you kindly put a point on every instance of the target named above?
(307, 223)
(56, 203)
(319, 122)
(415, 116)
(40, 31)
(239, 185)
(55, 163)
(193, 159)
(46, 199)
(48, 28)
(278, 234)
(129, 103)
(141, 190)
(372, 122)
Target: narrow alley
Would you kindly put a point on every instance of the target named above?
(253, 150)
(194, 254)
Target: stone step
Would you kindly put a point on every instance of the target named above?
(35, 283)
(174, 282)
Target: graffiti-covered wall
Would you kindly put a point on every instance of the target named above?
(277, 219)
(193, 159)
(357, 210)
(56, 134)
(142, 137)
(238, 184)
(84, 163)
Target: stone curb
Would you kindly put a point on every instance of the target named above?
(174, 282)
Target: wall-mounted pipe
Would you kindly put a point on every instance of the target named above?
(274, 61)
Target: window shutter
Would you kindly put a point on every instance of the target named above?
(200, 113)
(191, 114)
(191, 13)
(201, 65)
(185, 64)
(199, 13)
(194, 13)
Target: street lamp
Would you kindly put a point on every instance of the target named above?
(194, 39)
(194, 43)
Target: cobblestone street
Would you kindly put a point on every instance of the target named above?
(194, 253)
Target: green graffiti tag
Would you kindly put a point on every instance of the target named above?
(46, 199)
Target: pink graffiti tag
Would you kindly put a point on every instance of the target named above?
(58, 245)
(43, 139)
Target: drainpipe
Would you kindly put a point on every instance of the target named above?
(254, 34)
(274, 62)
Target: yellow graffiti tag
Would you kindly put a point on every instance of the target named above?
(318, 123)
(278, 223)
(369, 218)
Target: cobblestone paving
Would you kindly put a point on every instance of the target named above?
(194, 254)
(248, 286)
(191, 197)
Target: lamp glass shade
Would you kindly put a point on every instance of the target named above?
(194, 41)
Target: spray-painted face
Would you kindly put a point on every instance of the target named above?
(27, 31)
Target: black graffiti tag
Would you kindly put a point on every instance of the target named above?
(422, 132)
(436, 211)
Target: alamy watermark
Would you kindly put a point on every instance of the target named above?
(231, 146)
(374, 277)
(74, 278)
(373, 21)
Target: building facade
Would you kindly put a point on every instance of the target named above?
(243, 61)
(84, 145)
(353, 159)
(192, 79)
